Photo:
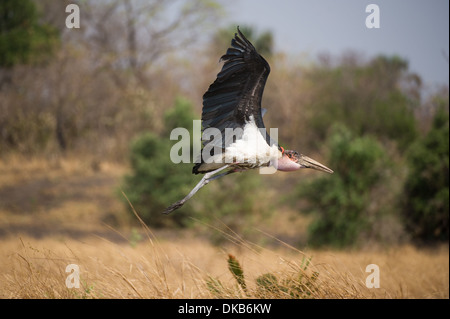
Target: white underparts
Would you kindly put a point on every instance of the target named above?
(251, 148)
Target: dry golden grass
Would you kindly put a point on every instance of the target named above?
(53, 214)
(33, 268)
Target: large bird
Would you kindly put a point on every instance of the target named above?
(232, 118)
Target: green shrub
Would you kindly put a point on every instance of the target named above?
(340, 201)
(155, 181)
(426, 210)
(23, 36)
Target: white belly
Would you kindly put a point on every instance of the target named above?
(252, 148)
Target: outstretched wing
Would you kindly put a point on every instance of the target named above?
(237, 92)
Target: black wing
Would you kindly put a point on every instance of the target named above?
(236, 93)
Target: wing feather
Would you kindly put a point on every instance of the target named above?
(236, 93)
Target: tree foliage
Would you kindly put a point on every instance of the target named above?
(156, 182)
(426, 208)
(23, 38)
(375, 98)
(340, 202)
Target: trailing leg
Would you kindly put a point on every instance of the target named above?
(204, 181)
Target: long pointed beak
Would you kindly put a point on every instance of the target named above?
(307, 162)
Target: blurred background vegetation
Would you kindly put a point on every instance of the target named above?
(115, 88)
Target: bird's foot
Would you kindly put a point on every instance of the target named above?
(173, 207)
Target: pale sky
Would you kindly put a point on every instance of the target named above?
(416, 30)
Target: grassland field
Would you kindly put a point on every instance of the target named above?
(56, 212)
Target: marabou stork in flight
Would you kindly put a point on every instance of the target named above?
(233, 104)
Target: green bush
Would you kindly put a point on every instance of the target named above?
(155, 181)
(426, 210)
(23, 37)
(340, 201)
